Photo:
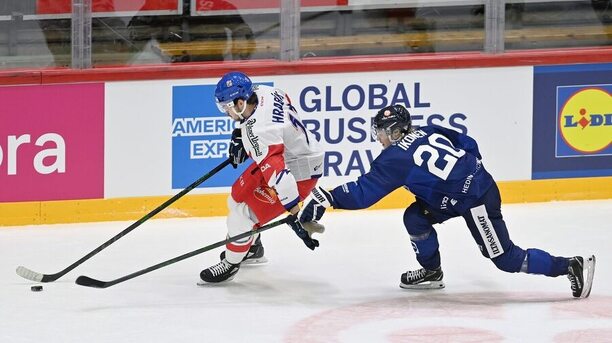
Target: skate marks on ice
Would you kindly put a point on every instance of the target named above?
(463, 317)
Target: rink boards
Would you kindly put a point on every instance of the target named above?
(116, 150)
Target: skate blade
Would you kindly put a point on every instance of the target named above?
(424, 285)
(254, 261)
(203, 283)
(589, 266)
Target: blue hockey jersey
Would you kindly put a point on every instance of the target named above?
(441, 167)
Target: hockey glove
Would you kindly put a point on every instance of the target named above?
(299, 230)
(315, 205)
(313, 227)
(237, 153)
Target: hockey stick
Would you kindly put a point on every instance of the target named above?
(89, 282)
(39, 277)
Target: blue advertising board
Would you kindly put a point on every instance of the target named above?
(200, 138)
(572, 121)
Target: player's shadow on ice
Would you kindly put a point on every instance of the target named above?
(490, 298)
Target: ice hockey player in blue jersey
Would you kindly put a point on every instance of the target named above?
(443, 169)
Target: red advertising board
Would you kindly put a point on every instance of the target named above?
(65, 6)
(225, 5)
(52, 142)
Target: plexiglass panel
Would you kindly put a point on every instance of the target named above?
(392, 29)
(125, 32)
(28, 39)
(558, 24)
(37, 33)
(214, 30)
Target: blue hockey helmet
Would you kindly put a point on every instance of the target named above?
(233, 85)
(394, 121)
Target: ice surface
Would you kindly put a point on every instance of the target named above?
(345, 291)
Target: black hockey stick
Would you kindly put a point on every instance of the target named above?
(89, 282)
(38, 277)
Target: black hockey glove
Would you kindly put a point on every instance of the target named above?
(315, 205)
(299, 230)
(237, 153)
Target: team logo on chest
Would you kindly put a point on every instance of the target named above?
(265, 194)
(252, 137)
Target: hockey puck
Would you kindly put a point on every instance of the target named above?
(36, 288)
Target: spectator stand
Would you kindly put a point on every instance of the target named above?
(413, 31)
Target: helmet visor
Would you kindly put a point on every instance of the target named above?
(230, 108)
(224, 106)
(375, 131)
(392, 133)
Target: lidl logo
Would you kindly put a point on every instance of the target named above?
(584, 126)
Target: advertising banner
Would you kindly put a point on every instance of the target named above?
(483, 103)
(200, 137)
(109, 6)
(416, 3)
(210, 6)
(572, 126)
(162, 135)
(52, 142)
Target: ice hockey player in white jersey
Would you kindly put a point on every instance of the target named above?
(287, 162)
(445, 172)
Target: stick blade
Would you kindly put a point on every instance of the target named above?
(29, 274)
(89, 282)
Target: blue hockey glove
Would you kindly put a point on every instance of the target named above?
(315, 205)
(237, 153)
(299, 230)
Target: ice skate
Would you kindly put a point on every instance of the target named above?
(423, 279)
(220, 272)
(255, 255)
(580, 274)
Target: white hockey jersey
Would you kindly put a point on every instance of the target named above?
(277, 140)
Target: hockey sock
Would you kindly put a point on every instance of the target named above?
(541, 262)
(426, 249)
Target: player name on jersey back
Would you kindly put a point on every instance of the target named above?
(411, 137)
